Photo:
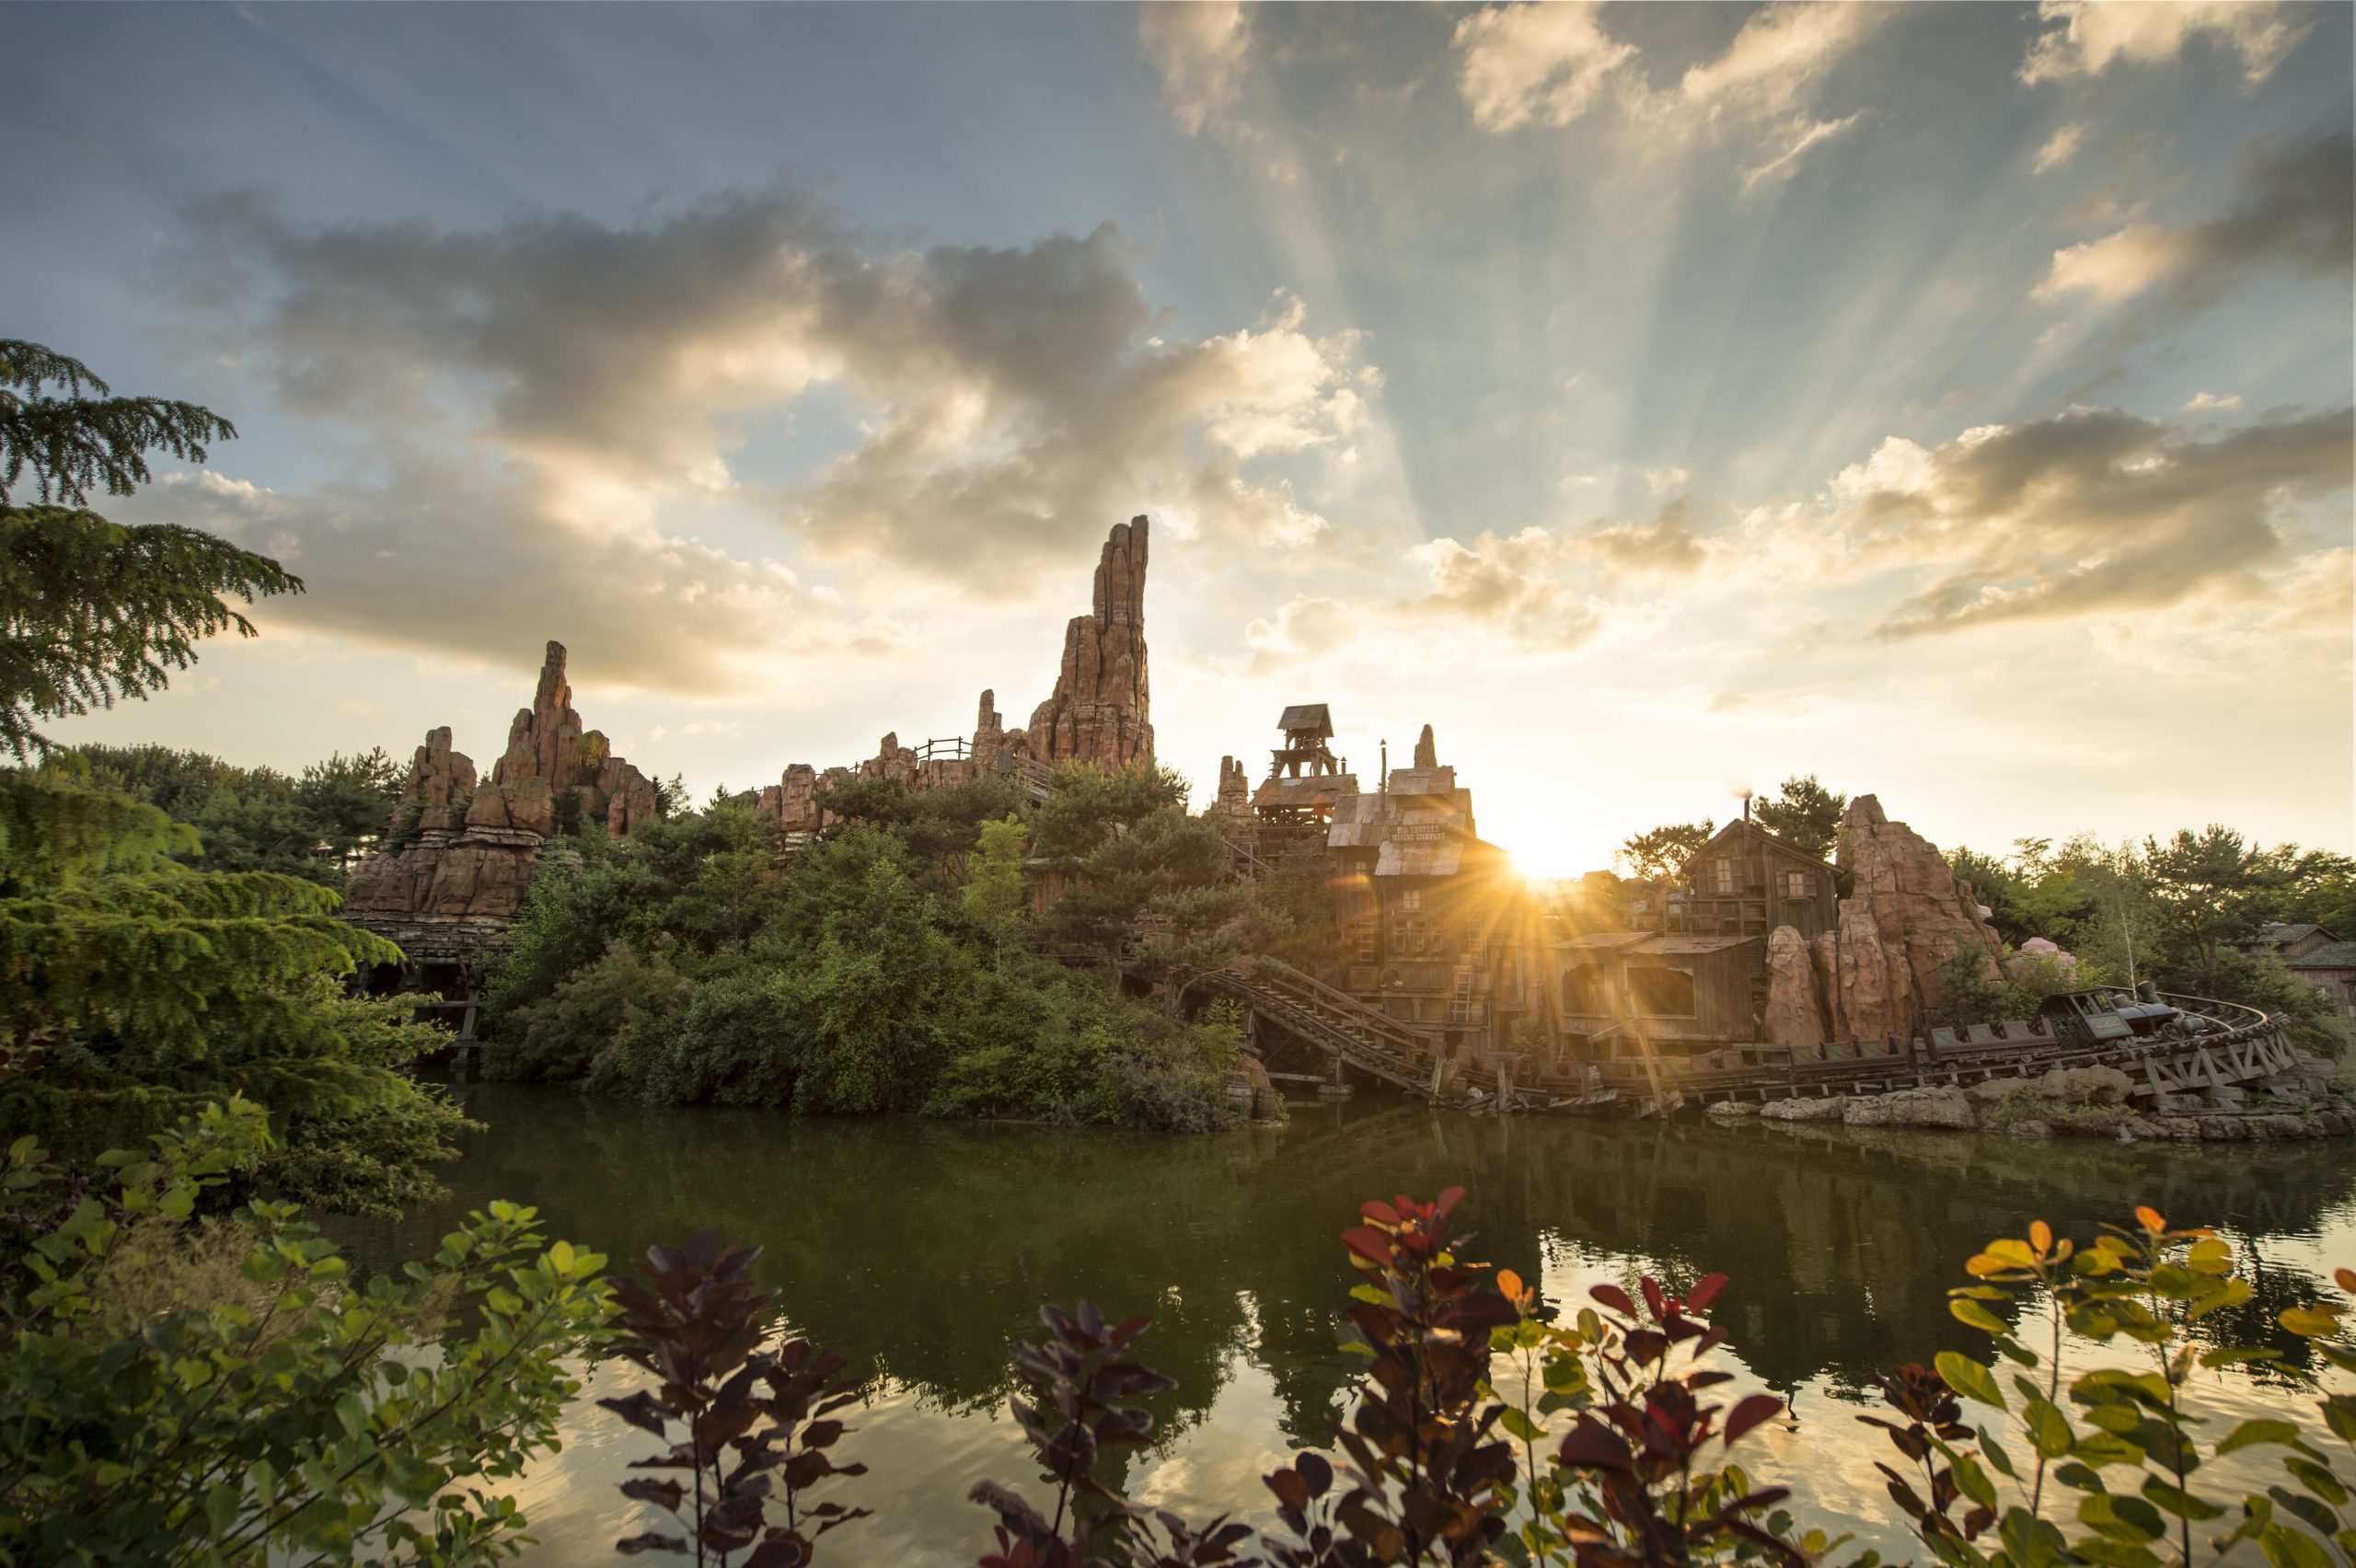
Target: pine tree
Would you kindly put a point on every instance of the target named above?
(92, 610)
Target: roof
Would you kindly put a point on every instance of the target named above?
(1308, 716)
(2331, 955)
(1309, 788)
(1746, 826)
(1423, 780)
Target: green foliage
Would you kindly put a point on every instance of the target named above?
(1661, 853)
(1972, 995)
(2104, 1465)
(889, 969)
(221, 1391)
(258, 819)
(92, 610)
(1804, 814)
(134, 990)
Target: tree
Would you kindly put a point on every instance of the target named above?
(94, 611)
(1662, 853)
(134, 990)
(2214, 888)
(1804, 814)
(176, 1391)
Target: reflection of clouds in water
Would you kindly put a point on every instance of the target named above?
(922, 1247)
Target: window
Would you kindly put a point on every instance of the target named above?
(1661, 992)
(1798, 884)
(1411, 898)
(1721, 875)
(1583, 992)
(1364, 938)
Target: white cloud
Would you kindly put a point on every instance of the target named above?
(1551, 64)
(1543, 64)
(1199, 46)
(2206, 400)
(2060, 148)
(2114, 267)
(2085, 38)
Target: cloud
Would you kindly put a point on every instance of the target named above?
(1542, 64)
(2085, 38)
(2201, 401)
(1666, 546)
(2060, 148)
(1009, 401)
(455, 556)
(1200, 47)
(2093, 512)
(1551, 64)
(2295, 213)
(1805, 134)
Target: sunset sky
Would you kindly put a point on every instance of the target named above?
(1952, 402)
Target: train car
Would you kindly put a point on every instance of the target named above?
(2104, 1017)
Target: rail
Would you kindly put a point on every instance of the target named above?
(1331, 1020)
(2235, 1045)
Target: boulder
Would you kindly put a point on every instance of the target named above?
(531, 805)
(488, 808)
(1794, 1010)
(2030, 1130)
(2084, 1086)
(1732, 1110)
(1804, 1109)
(1941, 1105)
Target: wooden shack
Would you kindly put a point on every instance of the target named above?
(1745, 883)
(1436, 922)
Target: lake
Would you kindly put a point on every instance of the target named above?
(923, 1247)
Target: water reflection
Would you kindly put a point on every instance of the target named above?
(923, 1247)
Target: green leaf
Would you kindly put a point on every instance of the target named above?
(2183, 1505)
(1968, 1312)
(1969, 1378)
(2309, 1323)
(2127, 1520)
(2257, 1430)
(2286, 1548)
(2048, 1428)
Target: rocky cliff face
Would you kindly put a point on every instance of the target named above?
(1099, 711)
(465, 848)
(1877, 974)
(1234, 788)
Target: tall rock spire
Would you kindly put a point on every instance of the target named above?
(1100, 710)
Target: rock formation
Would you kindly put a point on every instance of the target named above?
(1925, 918)
(1426, 749)
(1794, 1007)
(440, 784)
(459, 851)
(1099, 712)
(1234, 788)
(1877, 975)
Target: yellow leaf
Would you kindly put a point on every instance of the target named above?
(2040, 1237)
(2149, 1218)
(1510, 1284)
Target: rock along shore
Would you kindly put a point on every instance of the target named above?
(2081, 1102)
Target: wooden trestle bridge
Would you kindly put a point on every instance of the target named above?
(2212, 1047)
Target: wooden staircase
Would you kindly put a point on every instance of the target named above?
(1333, 1022)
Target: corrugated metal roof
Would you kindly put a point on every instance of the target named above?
(1423, 780)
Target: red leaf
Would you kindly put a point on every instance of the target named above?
(1371, 1245)
(1653, 1297)
(1750, 1413)
(1705, 1290)
(1448, 1200)
(1611, 1296)
(1380, 1212)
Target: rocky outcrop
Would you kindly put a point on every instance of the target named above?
(1426, 749)
(1920, 916)
(1234, 788)
(1940, 1105)
(1100, 712)
(793, 801)
(1794, 1009)
(440, 782)
(1801, 1108)
(460, 851)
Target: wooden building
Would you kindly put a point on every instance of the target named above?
(1437, 924)
(1697, 980)
(1745, 883)
(2313, 954)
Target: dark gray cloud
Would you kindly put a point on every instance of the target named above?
(2093, 511)
(2297, 213)
(1010, 400)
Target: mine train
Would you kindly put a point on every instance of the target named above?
(2104, 1016)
